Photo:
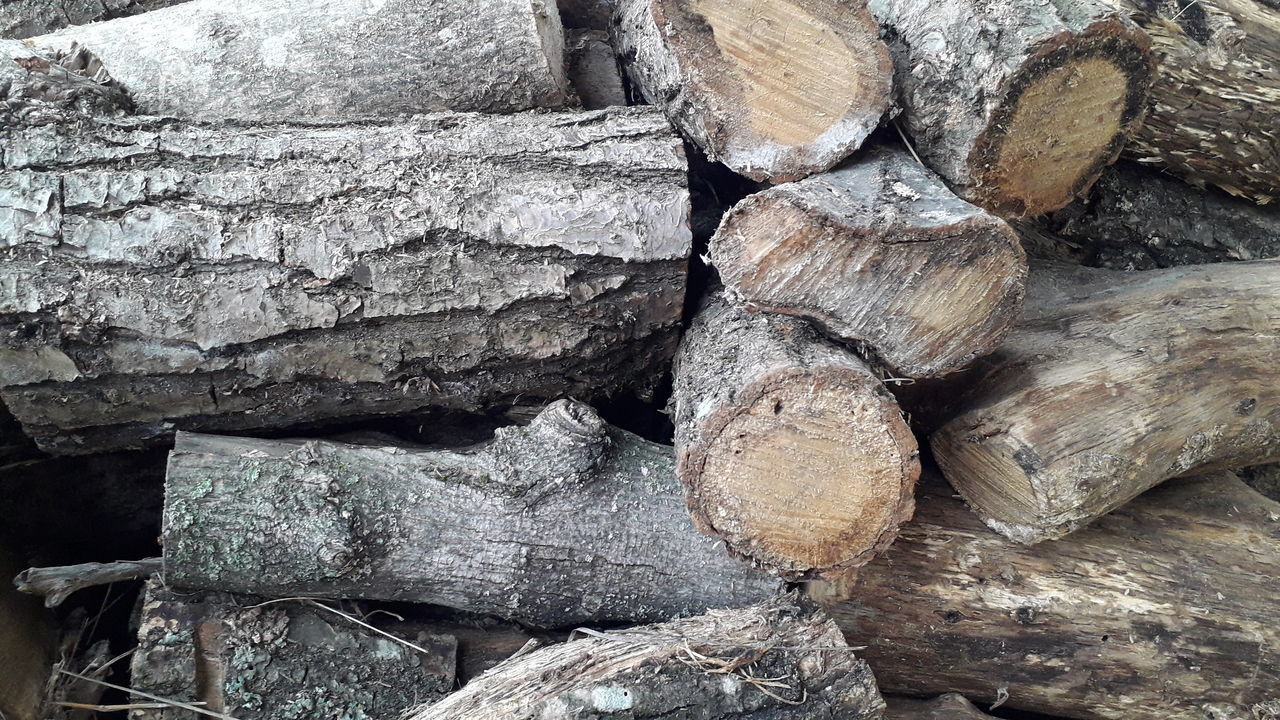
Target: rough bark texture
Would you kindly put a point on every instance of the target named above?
(1112, 383)
(951, 706)
(775, 89)
(791, 449)
(593, 69)
(1163, 610)
(155, 274)
(28, 18)
(1017, 104)
(282, 59)
(27, 646)
(279, 661)
(35, 88)
(564, 522)
(1138, 219)
(879, 252)
(1214, 115)
(775, 661)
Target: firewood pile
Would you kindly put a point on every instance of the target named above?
(640, 359)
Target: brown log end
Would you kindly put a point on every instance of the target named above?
(1067, 113)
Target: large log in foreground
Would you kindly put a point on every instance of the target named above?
(220, 277)
(564, 522)
(780, 660)
(1112, 383)
(792, 449)
(879, 252)
(282, 59)
(775, 90)
(1164, 610)
(1019, 105)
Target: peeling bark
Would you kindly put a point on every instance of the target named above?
(28, 18)
(1163, 610)
(156, 275)
(36, 88)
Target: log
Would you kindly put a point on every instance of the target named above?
(775, 661)
(255, 661)
(28, 18)
(881, 253)
(1214, 114)
(56, 584)
(593, 69)
(1112, 383)
(163, 275)
(283, 59)
(774, 90)
(563, 522)
(952, 706)
(1018, 105)
(37, 89)
(1163, 610)
(791, 449)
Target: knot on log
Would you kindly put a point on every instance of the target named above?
(566, 443)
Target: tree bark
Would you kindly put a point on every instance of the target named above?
(567, 521)
(278, 661)
(776, 90)
(283, 59)
(791, 449)
(162, 275)
(35, 88)
(1214, 115)
(774, 661)
(951, 706)
(879, 252)
(1163, 610)
(593, 69)
(28, 18)
(1113, 383)
(1018, 105)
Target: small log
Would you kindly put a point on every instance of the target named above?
(28, 18)
(778, 660)
(775, 90)
(157, 275)
(1018, 105)
(56, 584)
(1162, 610)
(791, 449)
(951, 706)
(283, 59)
(593, 69)
(564, 522)
(1214, 115)
(1112, 383)
(879, 252)
(255, 661)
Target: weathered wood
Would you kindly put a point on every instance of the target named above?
(776, 661)
(951, 706)
(791, 449)
(1164, 610)
(253, 661)
(1112, 383)
(560, 523)
(158, 275)
(879, 252)
(27, 646)
(593, 69)
(56, 584)
(1214, 115)
(283, 59)
(28, 18)
(775, 89)
(35, 88)
(1017, 104)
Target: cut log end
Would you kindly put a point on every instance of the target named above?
(1068, 111)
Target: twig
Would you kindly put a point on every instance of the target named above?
(905, 141)
(56, 583)
(361, 623)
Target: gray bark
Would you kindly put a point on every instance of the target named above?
(279, 661)
(879, 252)
(28, 18)
(791, 449)
(36, 88)
(283, 59)
(775, 90)
(593, 69)
(158, 275)
(775, 661)
(1112, 383)
(564, 522)
(1018, 105)
(1163, 610)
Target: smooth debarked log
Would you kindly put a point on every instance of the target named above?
(1112, 383)
(161, 275)
(28, 18)
(881, 253)
(260, 660)
(1162, 610)
(1018, 105)
(775, 89)
(285, 59)
(564, 522)
(780, 660)
(791, 448)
